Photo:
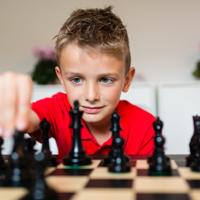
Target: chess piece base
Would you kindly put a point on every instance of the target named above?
(188, 160)
(49, 194)
(77, 161)
(159, 173)
(195, 165)
(119, 168)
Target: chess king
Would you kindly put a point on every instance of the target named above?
(94, 67)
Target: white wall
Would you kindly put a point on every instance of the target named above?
(177, 104)
(164, 35)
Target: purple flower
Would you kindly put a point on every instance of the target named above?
(45, 53)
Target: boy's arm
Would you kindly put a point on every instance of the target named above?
(15, 104)
(34, 122)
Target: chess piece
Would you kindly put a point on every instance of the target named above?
(29, 151)
(17, 171)
(117, 161)
(44, 127)
(29, 145)
(77, 154)
(194, 140)
(2, 162)
(50, 159)
(193, 160)
(159, 163)
(40, 189)
(3, 166)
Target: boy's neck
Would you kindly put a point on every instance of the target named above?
(101, 132)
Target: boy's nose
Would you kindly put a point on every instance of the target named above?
(92, 93)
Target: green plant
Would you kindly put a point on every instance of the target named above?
(44, 70)
(196, 72)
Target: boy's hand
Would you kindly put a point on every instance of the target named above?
(15, 98)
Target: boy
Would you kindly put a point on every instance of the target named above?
(94, 68)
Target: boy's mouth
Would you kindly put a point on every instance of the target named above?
(92, 110)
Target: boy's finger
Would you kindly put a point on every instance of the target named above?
(8, 104)
(24, 87)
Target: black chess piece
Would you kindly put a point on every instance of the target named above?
(45, 128)
(194, 140)
(3, 165)
(40, 189)
(193, 160)
(17, 173)
(115, 128)
(117, 161)
(29, 145)
(2, 161)
(29, 151)
(77, 155)
(159, 163)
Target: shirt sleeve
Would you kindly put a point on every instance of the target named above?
(43, 108)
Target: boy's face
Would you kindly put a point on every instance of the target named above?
(96, 80)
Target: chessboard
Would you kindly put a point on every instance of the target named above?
(27, 175)
(96, 182)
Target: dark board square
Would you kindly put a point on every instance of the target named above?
(110, 183)
(71, 172)
(65, 196)
(163, 196)
(102, 164)
(144, 172)
(193, 183)
(8, 182)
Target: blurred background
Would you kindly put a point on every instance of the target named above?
(164, 35)
(165, 48)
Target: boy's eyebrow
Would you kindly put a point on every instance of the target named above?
(109, 74)
(79, 74)
(73, 73)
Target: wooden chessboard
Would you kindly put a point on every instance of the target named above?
(94, 182)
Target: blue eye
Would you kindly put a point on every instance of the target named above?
(76, 80)
(107, 80)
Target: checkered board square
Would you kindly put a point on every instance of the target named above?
(95, 182)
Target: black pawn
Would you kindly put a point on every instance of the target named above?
(17, 168)
(45, 128)
(119, 164)
(117, 161)
(40, 189)
(115, 128)
(2, 161)
(29, 146)
(3, 165)
(29, 151)
(193, 160)
(193, 141)
(159, 163)
(77, 154)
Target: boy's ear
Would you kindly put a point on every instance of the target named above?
(59, 74)
(129, 78)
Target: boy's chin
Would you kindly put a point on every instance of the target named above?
(92, 118)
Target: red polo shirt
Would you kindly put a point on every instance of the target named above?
(136, 124)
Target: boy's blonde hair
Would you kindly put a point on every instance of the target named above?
(95, 28)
